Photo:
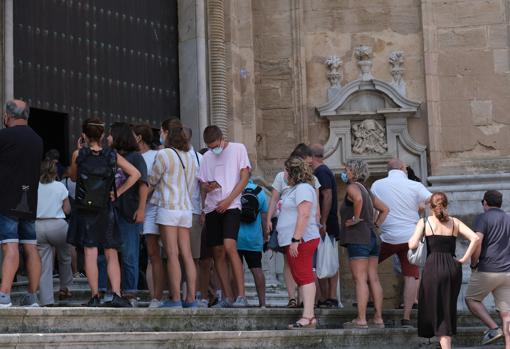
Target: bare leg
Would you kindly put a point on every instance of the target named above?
(10, 265)
(359, 270)
(505, 318)
(333, 282)
(156, 265)
(446, 342)
(220, 265)
(235, 262)
(410, 286)
(260, 285)
(91, 269)
(289, 280)
(113, 269)
(478, 309)
(308, 294)
(169, 237)
(189, 264)
(33, 263)
(375, 287)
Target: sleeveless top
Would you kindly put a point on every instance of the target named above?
(358, 233)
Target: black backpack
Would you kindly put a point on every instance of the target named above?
(96, 178)
(250, 204)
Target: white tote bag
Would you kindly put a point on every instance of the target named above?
(327, 258)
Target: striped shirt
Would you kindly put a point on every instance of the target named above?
(173, 184)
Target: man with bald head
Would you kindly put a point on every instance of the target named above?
(328, 203)
(21, 151)
(404, 197)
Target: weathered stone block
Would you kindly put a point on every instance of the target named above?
(465, 62)
(463, 13)
(456, 87)
(501, 61)
(498, 36)
(463, 37)
(481, 112)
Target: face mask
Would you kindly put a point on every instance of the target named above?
(344, 177)
(162, 140)
(217, 150)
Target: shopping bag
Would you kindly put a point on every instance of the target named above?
(327, 258)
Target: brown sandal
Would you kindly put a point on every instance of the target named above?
(64, 293)
(312, 324)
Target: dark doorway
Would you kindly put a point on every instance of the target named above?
(53, 128)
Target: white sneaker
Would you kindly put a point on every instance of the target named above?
(5, 300)
(155, 303)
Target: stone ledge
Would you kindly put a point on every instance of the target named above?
(66, 320)
(324, 339)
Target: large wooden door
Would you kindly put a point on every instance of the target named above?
(116, 59)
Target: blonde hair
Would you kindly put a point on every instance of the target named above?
(298, 171)
(359, 169)
(48, 171)
(439, 205)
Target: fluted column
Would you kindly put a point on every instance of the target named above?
(217, 64)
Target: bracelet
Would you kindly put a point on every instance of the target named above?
(355, 220)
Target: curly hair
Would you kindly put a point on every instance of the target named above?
(359, 169)
(298, 171)
(439, 205)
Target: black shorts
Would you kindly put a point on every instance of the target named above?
(252, 258)
(222, 226)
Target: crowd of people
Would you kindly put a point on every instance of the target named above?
(199, 217)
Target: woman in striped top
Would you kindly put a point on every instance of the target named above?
(173, 178)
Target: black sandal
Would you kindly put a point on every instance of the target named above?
(292, 303)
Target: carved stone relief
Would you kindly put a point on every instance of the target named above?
(368, 118)
(369, 137)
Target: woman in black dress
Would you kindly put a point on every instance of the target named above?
(442, 275)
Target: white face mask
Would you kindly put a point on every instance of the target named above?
(217, 150)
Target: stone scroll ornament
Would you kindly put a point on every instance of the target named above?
(369, 137)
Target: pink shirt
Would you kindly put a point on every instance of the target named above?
(224, 169)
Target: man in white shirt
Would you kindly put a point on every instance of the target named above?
(404, 197)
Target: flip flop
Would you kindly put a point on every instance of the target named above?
(354, 324)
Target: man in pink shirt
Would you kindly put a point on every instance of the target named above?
(223, 174)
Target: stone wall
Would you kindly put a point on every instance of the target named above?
(468, 85)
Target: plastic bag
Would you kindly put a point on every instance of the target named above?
(327, 258)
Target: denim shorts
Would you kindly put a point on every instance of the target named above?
(363, 251)
(17, 230)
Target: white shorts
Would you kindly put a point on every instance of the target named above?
(174, 218)
(149, 223)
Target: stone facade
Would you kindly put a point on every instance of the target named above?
(261, 65)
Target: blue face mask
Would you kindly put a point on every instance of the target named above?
(162, 140)
(344, 177)
(217, 150)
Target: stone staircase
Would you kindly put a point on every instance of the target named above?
(79, 328)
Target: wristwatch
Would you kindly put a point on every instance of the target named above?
(295, 240)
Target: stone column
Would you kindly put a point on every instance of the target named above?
(217, 64)
(193, 67)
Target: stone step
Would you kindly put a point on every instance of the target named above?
(47, 320)
(276, 296)
(323, 339)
